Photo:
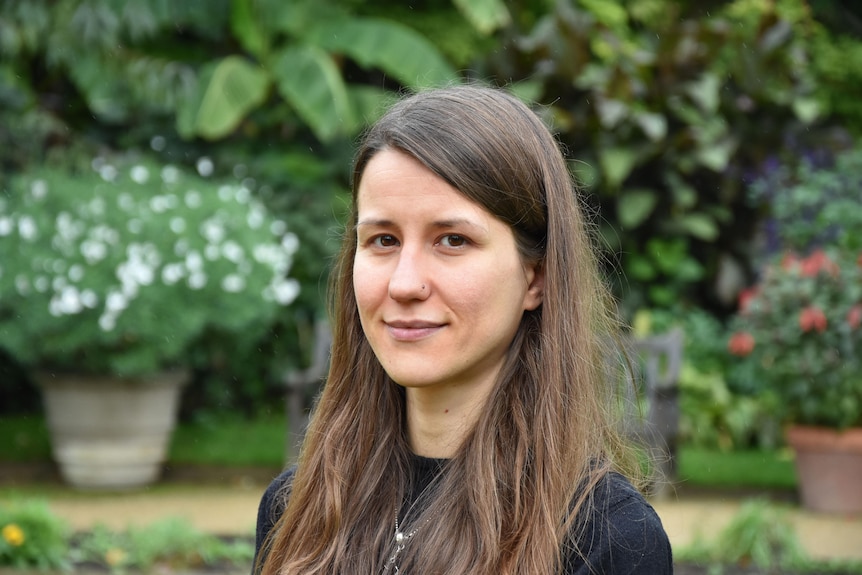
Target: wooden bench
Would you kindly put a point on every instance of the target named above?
(651, 401)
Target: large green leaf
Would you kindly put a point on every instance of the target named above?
(616, 164)
(311, 82)
(228, 89)
(699, 225)
(635, 206)
(247, 27)
(394, 48)
(485, 15)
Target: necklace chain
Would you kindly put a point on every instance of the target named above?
(400, 543)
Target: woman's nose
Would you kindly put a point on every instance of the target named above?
(410, 278)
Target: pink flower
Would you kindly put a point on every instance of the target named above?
(854, 316)
(818, 262)
(745, 297)
(741, 343)
(812, 318)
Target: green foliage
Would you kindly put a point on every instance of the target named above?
(760, 534)
(31, 536)
(171, 543)
(124, 267)
(671, 107)
(815, 203)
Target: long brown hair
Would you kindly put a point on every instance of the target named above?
(509, 499)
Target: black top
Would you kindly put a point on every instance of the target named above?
(623, 536)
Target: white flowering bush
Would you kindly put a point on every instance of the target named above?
(121, 269)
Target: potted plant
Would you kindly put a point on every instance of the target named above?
(109, 276)
(800, 330)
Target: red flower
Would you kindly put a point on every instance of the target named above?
(745, 297)
(741, 343)
(854, 316)
(818, 262)
(812, 318)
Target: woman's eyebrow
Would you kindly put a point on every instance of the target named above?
(446, 223)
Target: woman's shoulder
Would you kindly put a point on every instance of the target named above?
(620, 533)
(272, 505)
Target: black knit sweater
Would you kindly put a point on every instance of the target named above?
(623, 535)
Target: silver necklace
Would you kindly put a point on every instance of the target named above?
(401, 540)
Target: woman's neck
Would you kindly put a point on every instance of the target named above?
(437, 423)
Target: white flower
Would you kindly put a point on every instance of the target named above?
(22, 284)
(27, 228)
(135, 225)
(256, 217)
(232, 251)
(211, 252)
(172, 273)
(76, 273)
(205, 167)
(116, 302)
(93, 251)
(290, 243)
(157, 143)
(42, 283)
(194, 262)
(89, 298)
(161, 204)
(225, 193)
(233, 283)
(283, 291)
(139, 174)
(213, 231)
(178, 225)
(170, 174)
(277, 227)
(67, 302)
(197, 280)
(38, 189)
(181, 247)
(193, 199)
(108, 172)
(107, 322)
(242, 194)
(7, 224)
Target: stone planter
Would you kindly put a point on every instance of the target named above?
(829, 468)
(110, 432)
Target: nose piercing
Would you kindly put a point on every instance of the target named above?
(423, 287)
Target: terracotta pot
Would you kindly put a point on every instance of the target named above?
(829, 468)
(110, 432)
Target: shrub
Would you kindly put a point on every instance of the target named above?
(124, 267)
(31, 536)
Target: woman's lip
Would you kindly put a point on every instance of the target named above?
(411, 331)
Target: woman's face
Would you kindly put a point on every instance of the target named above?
(439, 282)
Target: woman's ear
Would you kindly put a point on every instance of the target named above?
(535, 275)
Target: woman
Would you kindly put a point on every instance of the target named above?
(465, 425)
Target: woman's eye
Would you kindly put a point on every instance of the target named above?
(385, 241)
(453, 241)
